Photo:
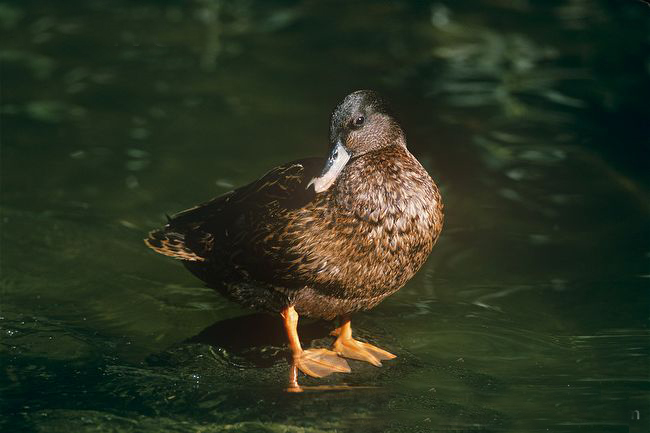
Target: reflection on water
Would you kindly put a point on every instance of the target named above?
(531, 314)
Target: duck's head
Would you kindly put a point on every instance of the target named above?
(361, 123)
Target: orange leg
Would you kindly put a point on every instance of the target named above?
(348, 347)
(312, 362)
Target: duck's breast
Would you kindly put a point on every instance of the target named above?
(375, 229)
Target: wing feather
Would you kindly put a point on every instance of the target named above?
(222, 227)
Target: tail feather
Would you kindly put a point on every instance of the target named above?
(171, 244)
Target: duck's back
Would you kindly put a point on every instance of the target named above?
(222, 228)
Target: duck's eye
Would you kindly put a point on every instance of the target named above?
(358, 121)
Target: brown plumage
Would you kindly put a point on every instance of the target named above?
(324, 244)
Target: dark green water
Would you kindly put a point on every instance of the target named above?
(531, 314)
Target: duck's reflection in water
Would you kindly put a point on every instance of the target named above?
(258, 339)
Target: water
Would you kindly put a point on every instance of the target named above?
(531, 314)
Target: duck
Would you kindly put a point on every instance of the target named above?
(318, 237)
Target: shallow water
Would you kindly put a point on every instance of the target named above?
(530, 315)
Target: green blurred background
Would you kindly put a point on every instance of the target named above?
(531, 314)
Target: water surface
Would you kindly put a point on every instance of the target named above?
(530, 315)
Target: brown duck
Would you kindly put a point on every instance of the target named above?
(319, 238)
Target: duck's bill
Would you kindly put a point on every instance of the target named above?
(333, 167)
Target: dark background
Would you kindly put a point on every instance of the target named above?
(532, 116)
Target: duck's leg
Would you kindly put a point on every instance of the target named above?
(312, 362)
(348, 347)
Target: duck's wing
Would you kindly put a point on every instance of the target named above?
(194, 234)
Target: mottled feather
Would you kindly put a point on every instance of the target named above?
(275, 242)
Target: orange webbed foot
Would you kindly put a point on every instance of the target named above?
(320, 363)
(361, 351)
(312, 362)
(348, 347)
